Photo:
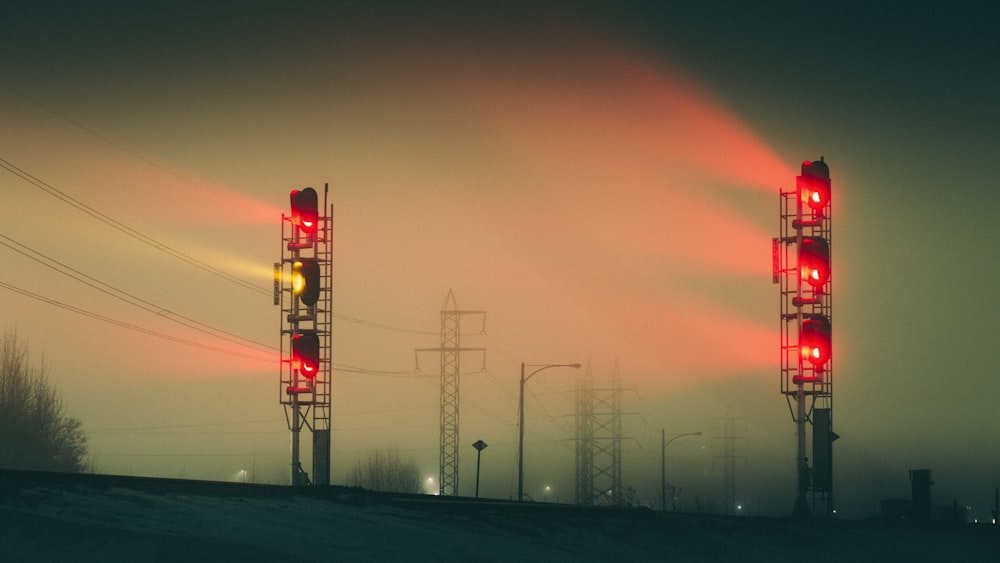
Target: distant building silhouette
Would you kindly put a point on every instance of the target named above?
(920, 487)
(918, 508)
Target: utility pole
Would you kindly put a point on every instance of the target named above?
(520, 419)
(480, 446)
(663, 462)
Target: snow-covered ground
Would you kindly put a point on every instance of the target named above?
(46, 518)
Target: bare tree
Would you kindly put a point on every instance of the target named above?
(35, 432)
(386, 471)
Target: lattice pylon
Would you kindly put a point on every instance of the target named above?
(450, 364)
(451, 351)
(599, 442)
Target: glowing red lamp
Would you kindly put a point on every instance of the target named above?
(305, 353)
(814, 185)
(305, 210)
(814, 261)
(815, 341)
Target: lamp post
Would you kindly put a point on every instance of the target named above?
(480, 446)
(663, 463)
(520, 425)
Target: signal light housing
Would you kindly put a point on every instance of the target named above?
(306, 280)
(305, 210)
(814, 186)
(305, 353)
(815, 341)
(814, 261)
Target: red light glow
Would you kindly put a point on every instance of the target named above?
(814, 261)
(815, 341)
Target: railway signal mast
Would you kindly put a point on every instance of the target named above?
(303, 291)
(802, 269)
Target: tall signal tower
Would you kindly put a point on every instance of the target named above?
(451, 353)
(802, 269)
(303, 292)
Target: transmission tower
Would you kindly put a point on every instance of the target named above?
(303, 292)
(599, 442)
(729, 459)
(451, 351)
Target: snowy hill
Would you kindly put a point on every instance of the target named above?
(50, 517)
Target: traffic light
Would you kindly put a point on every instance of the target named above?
(305, 210)
(814, 185)
(305, 353)
(815, 341)
(814, 261)
(305, 280)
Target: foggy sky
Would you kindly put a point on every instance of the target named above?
(602, 180)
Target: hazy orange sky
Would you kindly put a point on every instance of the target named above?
(601, 179)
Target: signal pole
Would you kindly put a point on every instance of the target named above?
(303, 292)
(801, 260)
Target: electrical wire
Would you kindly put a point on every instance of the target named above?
(129, 298)
(254, 454)
(178, 426)
(51, 190)
(363, 322)
(125, 229)
(163, 247)
(123, 324)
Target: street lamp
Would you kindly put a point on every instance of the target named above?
(520, 425)
(480, 446)
(663, 463)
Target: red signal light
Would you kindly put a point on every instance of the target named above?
(305, 210)
(814, 261)
(305, 353)
(815, 341)
(814, 185)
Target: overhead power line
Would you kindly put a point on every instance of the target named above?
(148, 306)
(127, 297)
(125, 229)
(167, 249)
(159, 246)
(123, 324)
(380, 325)
(188, 342)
